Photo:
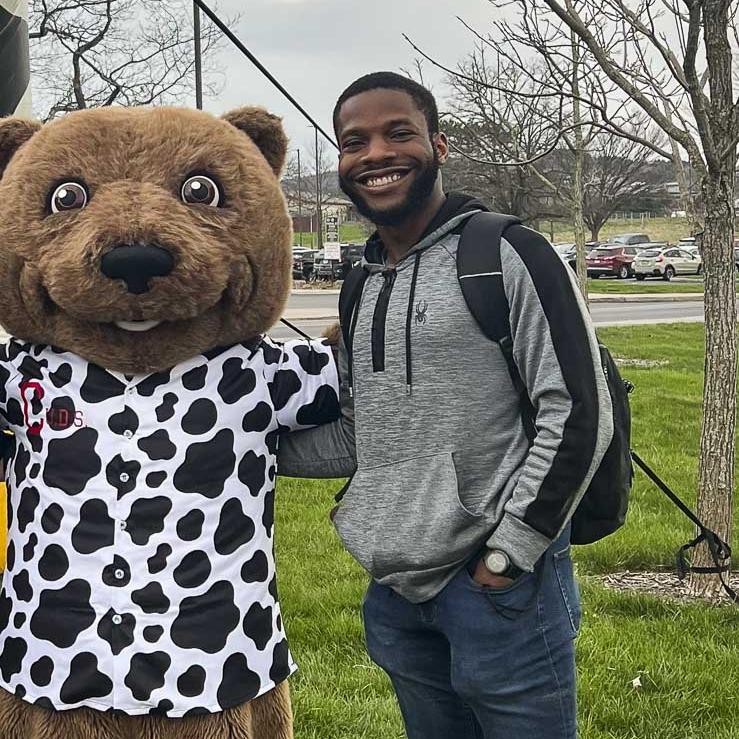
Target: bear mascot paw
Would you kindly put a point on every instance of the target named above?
(143, 254)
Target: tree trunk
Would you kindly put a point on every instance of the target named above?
(686, 196)
(577, 184)
(716, 468)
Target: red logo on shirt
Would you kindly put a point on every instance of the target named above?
(59, 417)
(32, 391)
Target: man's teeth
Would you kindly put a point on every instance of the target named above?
(380, 181)
(137, 325)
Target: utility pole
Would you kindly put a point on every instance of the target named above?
(319, 219)
(15, 65)
(300, 200)
(198, 58)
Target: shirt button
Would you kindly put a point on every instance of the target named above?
(122, 525)
(117, 619)
(119, 574)
(128, 433)
(124, 477)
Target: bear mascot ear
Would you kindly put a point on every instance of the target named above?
(14, 132)
(265, 130)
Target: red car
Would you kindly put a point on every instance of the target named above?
(611, 260)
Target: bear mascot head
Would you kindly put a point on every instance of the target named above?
(113, 220)
(143, 254)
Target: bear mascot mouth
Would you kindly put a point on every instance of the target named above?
(137, 238)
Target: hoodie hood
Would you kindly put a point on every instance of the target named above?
(456, 209)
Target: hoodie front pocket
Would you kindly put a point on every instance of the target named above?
(407, 516)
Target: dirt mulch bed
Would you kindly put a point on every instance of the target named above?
(665, 585)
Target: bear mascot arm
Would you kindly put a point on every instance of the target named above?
(325, 451)
(143, 255)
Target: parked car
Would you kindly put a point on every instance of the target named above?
(568, 251)
(630, 239)
(303, 263)
(611, 260)
(334, 269)
(666, 262)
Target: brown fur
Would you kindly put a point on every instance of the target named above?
(332, 334)
(14, 132)
(265, 130)
(232, 264)
(230, 282)
(266, 717)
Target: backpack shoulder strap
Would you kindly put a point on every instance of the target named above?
(351, 290)
(481, 281)
(479, 272)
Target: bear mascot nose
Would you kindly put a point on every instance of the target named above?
(136, 264)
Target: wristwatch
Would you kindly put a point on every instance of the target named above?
(499, 563)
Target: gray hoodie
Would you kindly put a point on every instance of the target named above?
(443, 464)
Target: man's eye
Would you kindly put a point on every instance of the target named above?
(402, 134)
(351, 144)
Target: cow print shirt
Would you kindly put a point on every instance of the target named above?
(140, 572)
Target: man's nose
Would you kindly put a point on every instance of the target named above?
(379, 149)
(136, 264)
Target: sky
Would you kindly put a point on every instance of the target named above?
(315, 48)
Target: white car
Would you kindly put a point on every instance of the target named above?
(665, 262)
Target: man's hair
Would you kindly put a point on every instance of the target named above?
(423, 99)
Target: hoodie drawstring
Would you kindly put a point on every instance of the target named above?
(408, 319)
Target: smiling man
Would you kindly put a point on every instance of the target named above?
(459, 516)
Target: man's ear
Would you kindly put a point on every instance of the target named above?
(265, 130)
(441, 144)
(14, 132)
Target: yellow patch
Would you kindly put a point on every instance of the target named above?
(3, 525)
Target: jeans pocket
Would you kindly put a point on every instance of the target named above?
(515, 599)
(568, 587)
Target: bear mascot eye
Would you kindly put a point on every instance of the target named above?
(200, 190)
(68, 196)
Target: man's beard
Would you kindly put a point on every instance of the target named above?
(418, 193)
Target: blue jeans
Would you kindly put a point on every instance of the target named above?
(481, 663)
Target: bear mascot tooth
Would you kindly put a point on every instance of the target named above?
(144, 253)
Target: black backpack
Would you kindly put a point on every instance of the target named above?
(602, 509)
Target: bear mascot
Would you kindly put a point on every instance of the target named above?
(143, 254)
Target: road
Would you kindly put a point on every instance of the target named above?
(313, 311)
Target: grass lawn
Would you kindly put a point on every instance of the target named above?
(658, 229)
(632, 287)
(687, 657)
(348, 232)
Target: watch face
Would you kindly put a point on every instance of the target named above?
(496, 561)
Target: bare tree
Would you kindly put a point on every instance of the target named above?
(618, 173)
(317, 183)
(678, 56)
(566, 164)
(488, 131)
(92, 53)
